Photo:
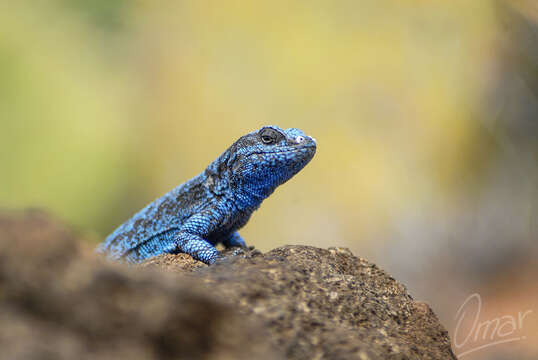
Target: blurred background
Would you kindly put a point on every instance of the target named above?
(425, 113)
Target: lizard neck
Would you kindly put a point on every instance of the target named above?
(250, 190)
(250, 198)
(217, 175)
(245, 188)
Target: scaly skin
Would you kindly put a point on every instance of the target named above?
(211, 207)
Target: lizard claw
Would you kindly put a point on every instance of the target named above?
(218, 259)
(232, 252)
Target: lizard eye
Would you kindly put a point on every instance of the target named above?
(267, 139)
(268, 136)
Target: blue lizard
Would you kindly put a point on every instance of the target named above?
(211, 207)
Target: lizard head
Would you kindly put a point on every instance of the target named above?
(264, 159)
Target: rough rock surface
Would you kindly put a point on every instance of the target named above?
(59, 302)
(295, 302)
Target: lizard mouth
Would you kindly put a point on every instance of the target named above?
(290, 150)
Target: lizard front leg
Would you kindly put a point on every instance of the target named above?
(196, 247)
(192, 235)
(234, 239)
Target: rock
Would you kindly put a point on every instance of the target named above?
(58, 303)
(320, 303)
(295, 302)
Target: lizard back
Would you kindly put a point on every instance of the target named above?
(155, 225)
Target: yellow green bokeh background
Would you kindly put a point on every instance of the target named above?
(106, 105)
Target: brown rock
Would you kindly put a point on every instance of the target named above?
(329, 304)
(57, 304)
(296, 302)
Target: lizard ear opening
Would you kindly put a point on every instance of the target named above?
(235, 163)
